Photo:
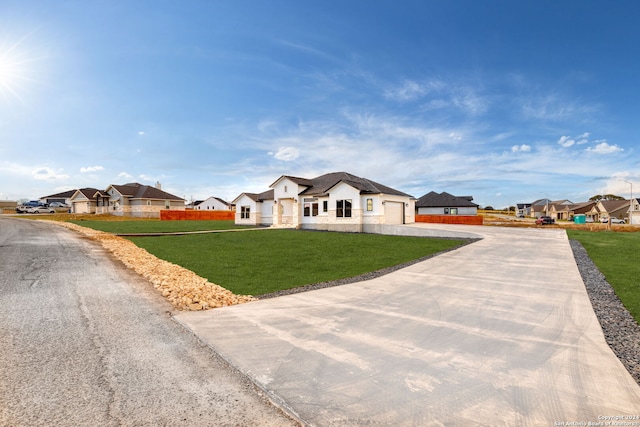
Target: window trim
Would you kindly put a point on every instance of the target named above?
(245, 212)
(344, 208)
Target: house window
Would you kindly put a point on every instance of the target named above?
(369, 205)
(245, 212)
(167, 204)
(311, 208)
(285, 188)
(148, 202)
(453, 211)
(343, 208)
(446, 211)
(325, 206)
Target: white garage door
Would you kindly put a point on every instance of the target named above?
(394, 212)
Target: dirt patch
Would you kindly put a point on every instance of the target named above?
(181, 287)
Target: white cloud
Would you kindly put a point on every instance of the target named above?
(523, 147)
(604, 148)
(91, 169)
(411, 90)
(566, 141)
(141, 133)
(124, 175)
(286, 154)
(48, 174)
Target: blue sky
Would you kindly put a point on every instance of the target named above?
(508, 101)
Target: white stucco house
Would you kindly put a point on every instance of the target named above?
(213, 204)
(337, 201)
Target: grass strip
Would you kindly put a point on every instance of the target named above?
(616, 256)
(264, 261)
(156, 226)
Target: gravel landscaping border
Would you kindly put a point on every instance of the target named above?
(621, 330)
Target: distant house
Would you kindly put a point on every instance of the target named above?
(610, 209)
(194, 204)
(546, 207)
(559, 209)
(523, 209)
(214, 204)
(64, 197)
(138, 200)
(337, 201)
(87, 200)
(568, 212)
(444, 203)
(634, 211)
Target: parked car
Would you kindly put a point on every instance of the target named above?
(23, 208)
(41, 209)
(58, 205)
(618, 221)
(545, 220)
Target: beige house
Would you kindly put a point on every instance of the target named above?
(132, 199)
(138, 200)
(87, 200)
(336, 201)
(610, 209)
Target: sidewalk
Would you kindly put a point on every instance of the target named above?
(499, 332)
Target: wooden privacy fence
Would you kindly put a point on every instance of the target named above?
(197, 215)
(451, 219)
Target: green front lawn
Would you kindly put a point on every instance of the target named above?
(156, 226)
(263, 261)
(617, 256)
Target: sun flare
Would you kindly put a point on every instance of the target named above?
(15, 68)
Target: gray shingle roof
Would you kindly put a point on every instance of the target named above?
(260, 197)
(139, 191)
(444, 200)
(64, 194)
(322, 184)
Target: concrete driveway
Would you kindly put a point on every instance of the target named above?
(499, 332)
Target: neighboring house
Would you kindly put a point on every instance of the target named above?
(634, 212)
(214, 204)
(64, 197)
(444, 203)
(139, 200)
(336, 201)
(87, 200)
(570, 211)
(539, 208)
(546, 207)
(610, 208)
(559, 209)
(523, 209)
(194, 204)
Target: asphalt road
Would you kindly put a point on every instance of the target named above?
(85, 342)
